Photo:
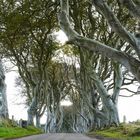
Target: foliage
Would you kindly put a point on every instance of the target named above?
(26, 38)
(5, 122)
(15, 132)
(137, 122)
(100, 27)
(124, 131)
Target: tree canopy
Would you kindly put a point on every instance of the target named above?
(103, 47)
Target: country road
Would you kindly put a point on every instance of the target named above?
(57, 136)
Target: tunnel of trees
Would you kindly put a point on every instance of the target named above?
(101, 56)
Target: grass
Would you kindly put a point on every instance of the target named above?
(16, 132)
(123, 132)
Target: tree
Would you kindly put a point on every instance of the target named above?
(132, 63)
(3, 97)
(119, 53)
(25, 37)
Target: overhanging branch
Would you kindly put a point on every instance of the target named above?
(128, 61)
(115, 24)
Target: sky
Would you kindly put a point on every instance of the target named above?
(17, 110)
(126, 106)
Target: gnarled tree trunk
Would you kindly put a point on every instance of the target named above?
(3, 96)
(32, 111)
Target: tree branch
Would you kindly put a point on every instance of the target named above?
(118, 82)
(129, 62)
(129, 90)
(115, 24)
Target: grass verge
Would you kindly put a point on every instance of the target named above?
(123, 132)
(16, 132)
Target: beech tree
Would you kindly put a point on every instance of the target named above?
(132, 63)
(25, 38)
(120, 54)
(102, 42)
(3, 96)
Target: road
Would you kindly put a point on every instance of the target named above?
(57, 136)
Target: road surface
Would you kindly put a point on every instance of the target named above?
(57, 136)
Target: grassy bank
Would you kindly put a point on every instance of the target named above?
(15, 132)
(123, 132)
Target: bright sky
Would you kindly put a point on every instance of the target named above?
(127, 106)
(18, 110)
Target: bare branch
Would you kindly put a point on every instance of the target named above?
(115, 24)
(129, 90)
(118, 82)
(127, 96)
(129, 62)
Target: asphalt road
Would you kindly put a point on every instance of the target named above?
(57, 136)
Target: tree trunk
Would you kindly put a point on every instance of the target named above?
(30, 117)
(131, 63)
(32, 111)
(38, 125)
(109, 107)
(112, 115)
(3, 97)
